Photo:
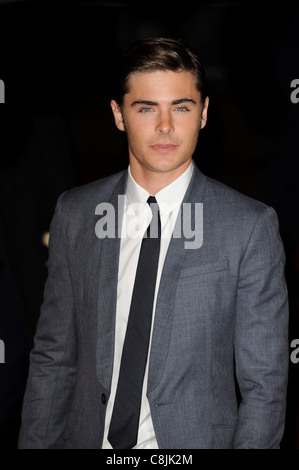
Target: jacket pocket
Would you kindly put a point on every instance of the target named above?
(205, 268)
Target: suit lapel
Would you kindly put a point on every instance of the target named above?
(107, 297)
(166, 295)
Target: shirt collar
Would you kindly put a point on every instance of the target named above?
(168, 198)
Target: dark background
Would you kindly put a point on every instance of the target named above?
(58, 62)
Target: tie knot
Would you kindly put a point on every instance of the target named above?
(154, 229)
(152, 202)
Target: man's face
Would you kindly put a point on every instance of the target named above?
(162, 114)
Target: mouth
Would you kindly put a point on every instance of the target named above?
(163, 148)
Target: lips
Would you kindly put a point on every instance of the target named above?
(161, 147)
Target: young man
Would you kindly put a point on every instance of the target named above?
(219, 305)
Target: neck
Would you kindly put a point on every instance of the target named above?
(154, 181)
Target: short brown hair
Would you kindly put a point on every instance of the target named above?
(155, 54)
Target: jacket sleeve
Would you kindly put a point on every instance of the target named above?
(261, 338)
(52, 369)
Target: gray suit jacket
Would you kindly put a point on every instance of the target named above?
(221, 318)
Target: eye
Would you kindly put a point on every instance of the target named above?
(182, 108)
(145, 110)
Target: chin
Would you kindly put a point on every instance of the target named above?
(163, 168)
(167, 166)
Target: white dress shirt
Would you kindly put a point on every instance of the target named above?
(137, 216)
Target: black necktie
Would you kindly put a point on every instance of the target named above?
(124, 424)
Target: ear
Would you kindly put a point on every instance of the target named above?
(204, 113)
(118, 117)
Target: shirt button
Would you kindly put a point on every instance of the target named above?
(103, 398)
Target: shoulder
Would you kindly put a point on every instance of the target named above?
(236, 220)
(225, 196)
(223, 199)
(80, 198)
(231, 210)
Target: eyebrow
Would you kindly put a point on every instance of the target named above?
(154, 103)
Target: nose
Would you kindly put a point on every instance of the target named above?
(165, 123)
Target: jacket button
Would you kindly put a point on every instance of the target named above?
(103, 398)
